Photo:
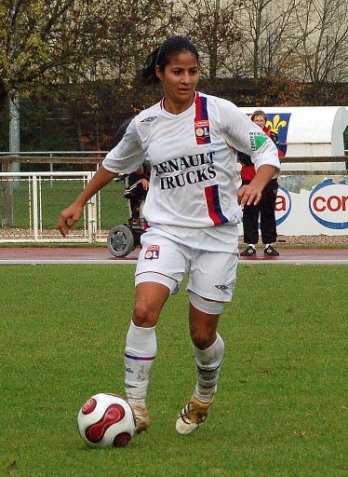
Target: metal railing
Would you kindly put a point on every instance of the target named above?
(291, 165)
(36, 229)
(8, 159)
(33, 227)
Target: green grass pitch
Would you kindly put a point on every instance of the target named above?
(281, 406)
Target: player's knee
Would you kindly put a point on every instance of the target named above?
(145, 314)
(203, 339)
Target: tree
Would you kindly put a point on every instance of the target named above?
(272, 36)
(213, 25)
(323, 25)
(136, 27)
(42, 41)
(114, 53)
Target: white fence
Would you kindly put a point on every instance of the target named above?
(30, 204)
(35, 224)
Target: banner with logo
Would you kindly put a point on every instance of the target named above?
(279, 123)
(321, 211)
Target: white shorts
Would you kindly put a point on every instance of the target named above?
(212, 275)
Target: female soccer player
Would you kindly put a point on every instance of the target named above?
(192, 208)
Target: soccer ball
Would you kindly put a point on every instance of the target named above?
(106, 420)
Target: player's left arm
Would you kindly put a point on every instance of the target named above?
(73, 213)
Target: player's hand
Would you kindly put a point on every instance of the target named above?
(68, 218)
(145, 184)
(248, 195)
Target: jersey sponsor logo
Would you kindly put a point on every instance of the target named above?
(149, 119)
(185, 162)
(185, 170)
(187, 178)
(152, 252)
(257, 140)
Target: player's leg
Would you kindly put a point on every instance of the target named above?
(141, 346)
(156, 279)
(208, 348)
(268, 220)
(216, 284)
(250, 229)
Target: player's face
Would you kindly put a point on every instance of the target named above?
(179, 80)
(260, 121)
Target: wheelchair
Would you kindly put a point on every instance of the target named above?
(123, 239)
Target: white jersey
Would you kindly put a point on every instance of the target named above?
(193, 158)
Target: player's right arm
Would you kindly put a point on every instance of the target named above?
(73, 213)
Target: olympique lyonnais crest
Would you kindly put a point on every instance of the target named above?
(201, 121)
(152, 252)
(202, 130)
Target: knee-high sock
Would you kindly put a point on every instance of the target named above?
(208, 363)
(140, 352)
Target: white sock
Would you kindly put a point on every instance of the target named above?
(208, 363)
(140, 352)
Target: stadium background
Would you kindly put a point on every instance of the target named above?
(73, 66)
(86, 117)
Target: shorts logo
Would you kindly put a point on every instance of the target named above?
(257, 140)
(152, 252)
(221, 287)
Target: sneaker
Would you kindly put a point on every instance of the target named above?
(248, 252)
(142, 418)
(271, 251)
(192, 415)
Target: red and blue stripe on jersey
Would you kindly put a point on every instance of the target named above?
(214, 206)
(202, 131)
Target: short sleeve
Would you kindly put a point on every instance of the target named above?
(128, 154)
(245, 136)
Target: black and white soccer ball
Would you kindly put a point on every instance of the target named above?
(106, 420)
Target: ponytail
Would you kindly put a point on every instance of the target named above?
(149, 71)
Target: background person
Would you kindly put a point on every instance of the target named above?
(192, 209)
(264, 209)
(137, 182)
(137, 186)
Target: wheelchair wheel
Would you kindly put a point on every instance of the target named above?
(120, 241)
